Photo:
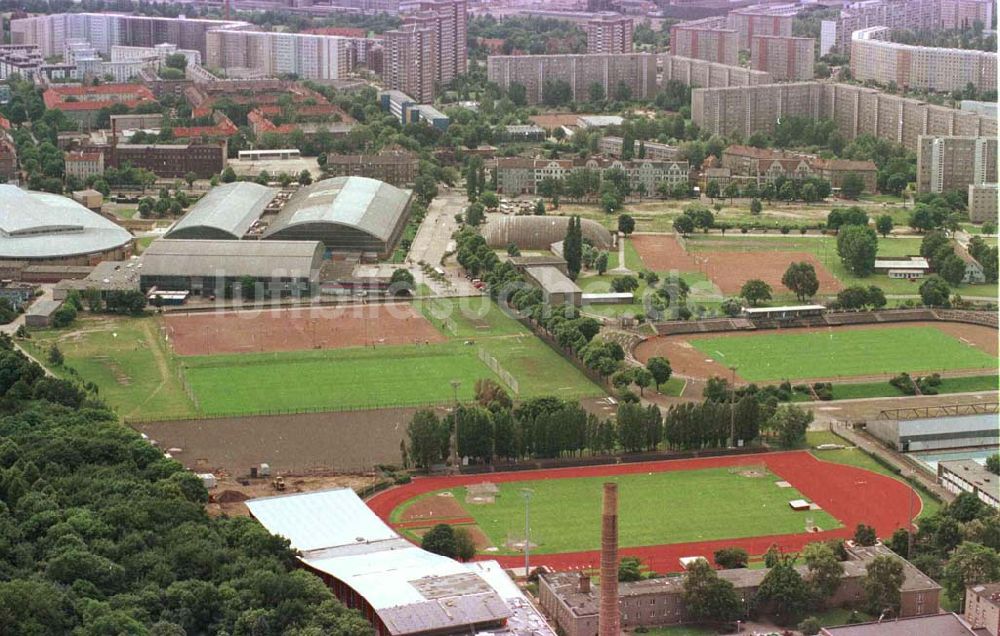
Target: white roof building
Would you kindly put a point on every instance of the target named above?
(401, 588)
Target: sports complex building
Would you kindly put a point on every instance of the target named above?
(215, 268)
(349, 215)
(41, 228)
(398, 587)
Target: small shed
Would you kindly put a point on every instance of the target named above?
(40, 313)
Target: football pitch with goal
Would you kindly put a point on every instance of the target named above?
(829, 353)
(653, 509)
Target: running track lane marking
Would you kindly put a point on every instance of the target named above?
(849, 494)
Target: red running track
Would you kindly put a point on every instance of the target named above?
(851, 495)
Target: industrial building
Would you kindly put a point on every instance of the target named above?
(39, 314)
(43, 228)
(935, 433)
(348, 214)
(950, 624)
(227, 212)
(401, 589)
(216, 268)
(965, 475)
(571, 600)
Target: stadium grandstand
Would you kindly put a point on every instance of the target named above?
(44, 228)
(398, 587)
(348, 214)
(227, 212)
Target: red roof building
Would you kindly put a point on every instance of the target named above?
(82, 103)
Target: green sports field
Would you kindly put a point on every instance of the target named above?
(842, 353)
(139, 375)
(654, 509)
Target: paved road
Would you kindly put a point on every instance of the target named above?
(12, 326)
(433, 240)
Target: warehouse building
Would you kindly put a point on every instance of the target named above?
(936, 433)
(227, 212)
(348, 214)
(966, 475)
(216, 268)
(43, 228)
(557, 288)
(399, 588)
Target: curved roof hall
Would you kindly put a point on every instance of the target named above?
(364, 204)
(40, 225)
(226, 212)
(539, 232)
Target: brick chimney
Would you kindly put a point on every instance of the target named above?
(584, 583)
(608, 620)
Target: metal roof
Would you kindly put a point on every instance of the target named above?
(43, 225)
(771, 310)
(318, 520)
(914, 262)
(552, 280)
(260, 259)
(227, 211)
(937, 624)
(44, 307)
(955, 424)
(411, 590)
(369, 205)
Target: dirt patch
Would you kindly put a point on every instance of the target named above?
(663, 253)
(435, 508)
(554, 120)
(728, 270)
(230, 492)
(301, 443)
(297, 329)
(687, 361)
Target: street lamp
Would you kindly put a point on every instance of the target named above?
(732, 408)
(454, 385)
(526, 493)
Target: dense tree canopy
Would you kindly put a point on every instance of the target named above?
(102, 534)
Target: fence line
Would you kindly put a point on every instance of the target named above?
(131, 421)
(494, 365)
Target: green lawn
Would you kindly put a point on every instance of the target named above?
(125, 358)
(968, 384)
(390, 376)
(335, 379)
(843, 353)
(141, 378)
(654, 509)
